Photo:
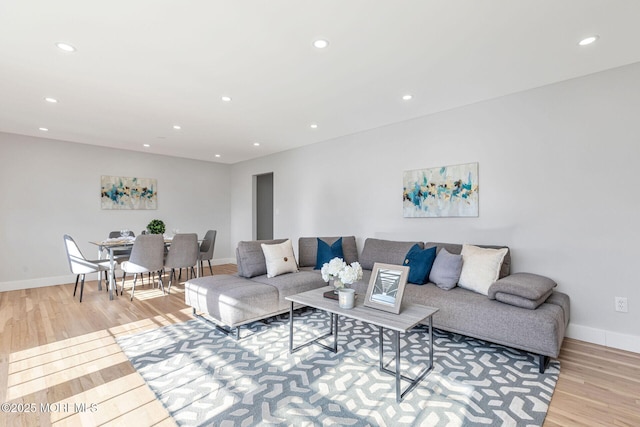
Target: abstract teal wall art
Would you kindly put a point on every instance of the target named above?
(446, 191)
(119, 192)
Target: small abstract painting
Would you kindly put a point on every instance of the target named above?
(447, 191)
(120, 192)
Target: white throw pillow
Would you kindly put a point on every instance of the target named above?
(279, 258)
(480, 267)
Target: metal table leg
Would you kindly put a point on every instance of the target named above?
(291, 328)
(413, 382)
(334, 325)
(100, 273)
(112, 273)
(430, 342)
(333, 330)
(381, 347)
(396, 336)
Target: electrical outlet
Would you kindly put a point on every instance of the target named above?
(621, 304)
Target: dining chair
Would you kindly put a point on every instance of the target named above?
(147, 256)
(206, 249)
(120, 254)
(183, 253)
(80, 266)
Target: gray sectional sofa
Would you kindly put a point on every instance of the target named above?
(509, 318)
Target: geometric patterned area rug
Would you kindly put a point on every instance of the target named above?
(205, 378)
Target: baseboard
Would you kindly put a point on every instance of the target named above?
(623, 342)
(604, 337)
(41, 282)
(221, 261)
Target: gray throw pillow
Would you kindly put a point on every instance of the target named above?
(446, 270)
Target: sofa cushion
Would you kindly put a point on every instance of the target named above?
(308, 249)
(294, 283)
(385, 251)
(231, 300)
(250, 258)
(326, 253)
(419, 262)
(480, 267)
(446, 269)
(456, 248)
(539, 331)
(279, 258)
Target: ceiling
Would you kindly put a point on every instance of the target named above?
(143, 66)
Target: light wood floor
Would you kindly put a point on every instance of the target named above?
(57, 351)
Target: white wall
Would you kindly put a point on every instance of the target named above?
(558, 174)
(51, 188)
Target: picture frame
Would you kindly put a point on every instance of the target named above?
(124, 193)
(444, 191)
(386, 287)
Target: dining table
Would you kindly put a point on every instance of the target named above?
(121, 243)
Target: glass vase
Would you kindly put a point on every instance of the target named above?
(337, 284)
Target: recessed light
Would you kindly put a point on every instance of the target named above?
(51, 100)
(407, 97)
(588, 40)
(44, 129)
(226, 98)
(320, 43)
(65, 46)
(146, 145)
(177, 127)
(256, 144)
(313, 126)
(217, 156)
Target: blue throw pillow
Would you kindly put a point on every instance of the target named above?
(419, 262)
(326, 253)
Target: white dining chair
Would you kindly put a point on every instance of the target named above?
(147, 256)
(183, 253)
(80, 266)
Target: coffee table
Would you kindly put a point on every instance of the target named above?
(410, 315)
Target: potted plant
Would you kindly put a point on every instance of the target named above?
(156, 226)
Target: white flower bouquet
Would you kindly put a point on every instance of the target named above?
(340, 272)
